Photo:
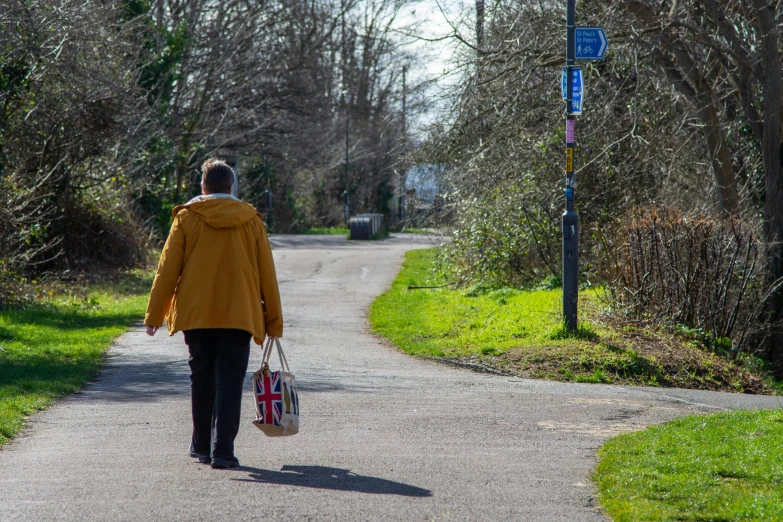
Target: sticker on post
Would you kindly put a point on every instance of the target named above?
(569, 159)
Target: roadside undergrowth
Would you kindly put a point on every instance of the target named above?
(519, 332)
(53, 343)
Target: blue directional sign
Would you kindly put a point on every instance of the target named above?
(577, 89)
(591, 43)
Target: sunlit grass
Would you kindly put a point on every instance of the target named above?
(520, 332)
(727, 466)
(53, 347)
(447, 322)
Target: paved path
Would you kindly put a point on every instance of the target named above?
(384, 436)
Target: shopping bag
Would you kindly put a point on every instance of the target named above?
(276, 398)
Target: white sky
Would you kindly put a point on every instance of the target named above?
(431, 22)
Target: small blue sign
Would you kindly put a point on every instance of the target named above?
(577, 89)
(590, 43)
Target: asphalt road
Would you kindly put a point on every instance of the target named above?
(384, 436)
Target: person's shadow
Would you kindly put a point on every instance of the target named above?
(321, 477)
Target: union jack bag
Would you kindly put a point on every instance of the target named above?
(276, 398)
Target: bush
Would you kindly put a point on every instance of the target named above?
(22, 236)
(510, 239)
(105, 238)
(694, 271)
(97, 229)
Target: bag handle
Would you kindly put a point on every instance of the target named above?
(265, 355)
(283, 359)
(268, 354)
(281, 356)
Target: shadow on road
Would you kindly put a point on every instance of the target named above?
(339, 242)
(309, 242)
(321, 477)
(348, 383)
(137, 380)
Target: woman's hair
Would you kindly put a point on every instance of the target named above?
(216, 177)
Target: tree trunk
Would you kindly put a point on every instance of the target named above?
(688, 80)
(702, 98)
(479, 26)
(771, 150)
(725, 180)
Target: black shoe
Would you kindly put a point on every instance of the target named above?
(204, 459)
(218, 463)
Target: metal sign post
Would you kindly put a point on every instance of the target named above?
(584, 43)
(268, 175)
(346, 195)
(570, 217)
(268, 214)
(234, 164)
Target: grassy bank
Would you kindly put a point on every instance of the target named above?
(519, 332)
(52, 346)
(727, 466)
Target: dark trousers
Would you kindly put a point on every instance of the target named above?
(218, 364)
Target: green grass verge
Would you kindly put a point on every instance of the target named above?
(446, 322)
(520, 332)
(52, 347)
(727, 466)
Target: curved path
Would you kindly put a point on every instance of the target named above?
(384, 436)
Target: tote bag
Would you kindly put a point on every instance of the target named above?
(276, 398)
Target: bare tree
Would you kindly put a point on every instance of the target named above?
(688, 88)
(106, 112)
(723, 55)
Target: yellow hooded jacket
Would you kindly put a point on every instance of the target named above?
(216, 271)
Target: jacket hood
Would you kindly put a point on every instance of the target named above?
(219, 210)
